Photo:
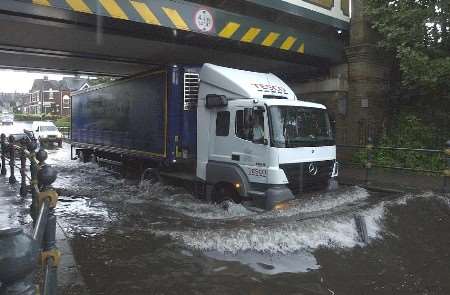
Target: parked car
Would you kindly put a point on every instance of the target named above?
(47, 132)
(7, 118)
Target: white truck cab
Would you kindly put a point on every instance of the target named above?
(257, 139)
(47, 132)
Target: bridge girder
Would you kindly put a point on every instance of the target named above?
(54, 36)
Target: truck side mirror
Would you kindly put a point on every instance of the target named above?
(215, 100)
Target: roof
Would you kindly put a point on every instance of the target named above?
(44, 84)
(299, 103)
(236, 83)
(73, 83)
(67, 83)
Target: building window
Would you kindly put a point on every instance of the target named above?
(223, 124)
(66, 102)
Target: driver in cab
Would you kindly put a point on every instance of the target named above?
(258, 128)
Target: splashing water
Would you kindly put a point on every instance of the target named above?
(268, 242)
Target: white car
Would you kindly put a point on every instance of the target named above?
(46, 132)
(7, 118)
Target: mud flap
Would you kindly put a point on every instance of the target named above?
(332, 185)
(208, 192)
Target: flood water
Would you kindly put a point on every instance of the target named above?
(131, 238)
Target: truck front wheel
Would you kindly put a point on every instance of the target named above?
(225, 192)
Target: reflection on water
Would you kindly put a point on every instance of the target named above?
(301, 261)
(170, 236)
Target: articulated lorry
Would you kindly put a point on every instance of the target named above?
(233, 134)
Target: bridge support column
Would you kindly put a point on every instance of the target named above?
(368, 77)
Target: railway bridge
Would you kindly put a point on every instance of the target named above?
(315, 44)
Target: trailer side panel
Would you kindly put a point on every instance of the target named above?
(129, 114)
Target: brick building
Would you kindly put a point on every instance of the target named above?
(67, 86)
(53, 97)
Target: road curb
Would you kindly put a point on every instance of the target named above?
(70, 280)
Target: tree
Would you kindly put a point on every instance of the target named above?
(417, 32)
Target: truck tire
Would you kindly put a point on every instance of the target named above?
(151, 175)
(93, 158)
(225, 192)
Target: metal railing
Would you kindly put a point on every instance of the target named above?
(41, 245)
(430, 162)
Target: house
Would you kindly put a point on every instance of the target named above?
(69, 85)
(53, 97)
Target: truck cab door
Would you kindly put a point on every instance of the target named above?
(241, 135)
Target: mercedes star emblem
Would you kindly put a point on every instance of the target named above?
(313, 169)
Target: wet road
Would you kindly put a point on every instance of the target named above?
(157, 239)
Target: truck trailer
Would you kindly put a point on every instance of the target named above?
(233, 134)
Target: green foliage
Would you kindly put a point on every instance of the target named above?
(30, 117)
(408, 132)
(417, 32)
(63, 122)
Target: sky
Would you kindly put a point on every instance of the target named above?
(19, 81)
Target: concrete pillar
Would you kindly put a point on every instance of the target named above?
(331, 91)
(368, 77)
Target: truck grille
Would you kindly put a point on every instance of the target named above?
(191, 86)
(301, 180)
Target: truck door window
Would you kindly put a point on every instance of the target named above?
(250, 125)
(223, 124)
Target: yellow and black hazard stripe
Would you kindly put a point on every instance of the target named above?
(181, 15)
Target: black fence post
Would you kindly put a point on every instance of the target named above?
(19, 251)
(447, 170)
(34, 182)
(369, 149)
(3, 151)
(23, 173)
(46, 175)
(50, 266)
(12, 157)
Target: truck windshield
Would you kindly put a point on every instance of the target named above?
(299, 126)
